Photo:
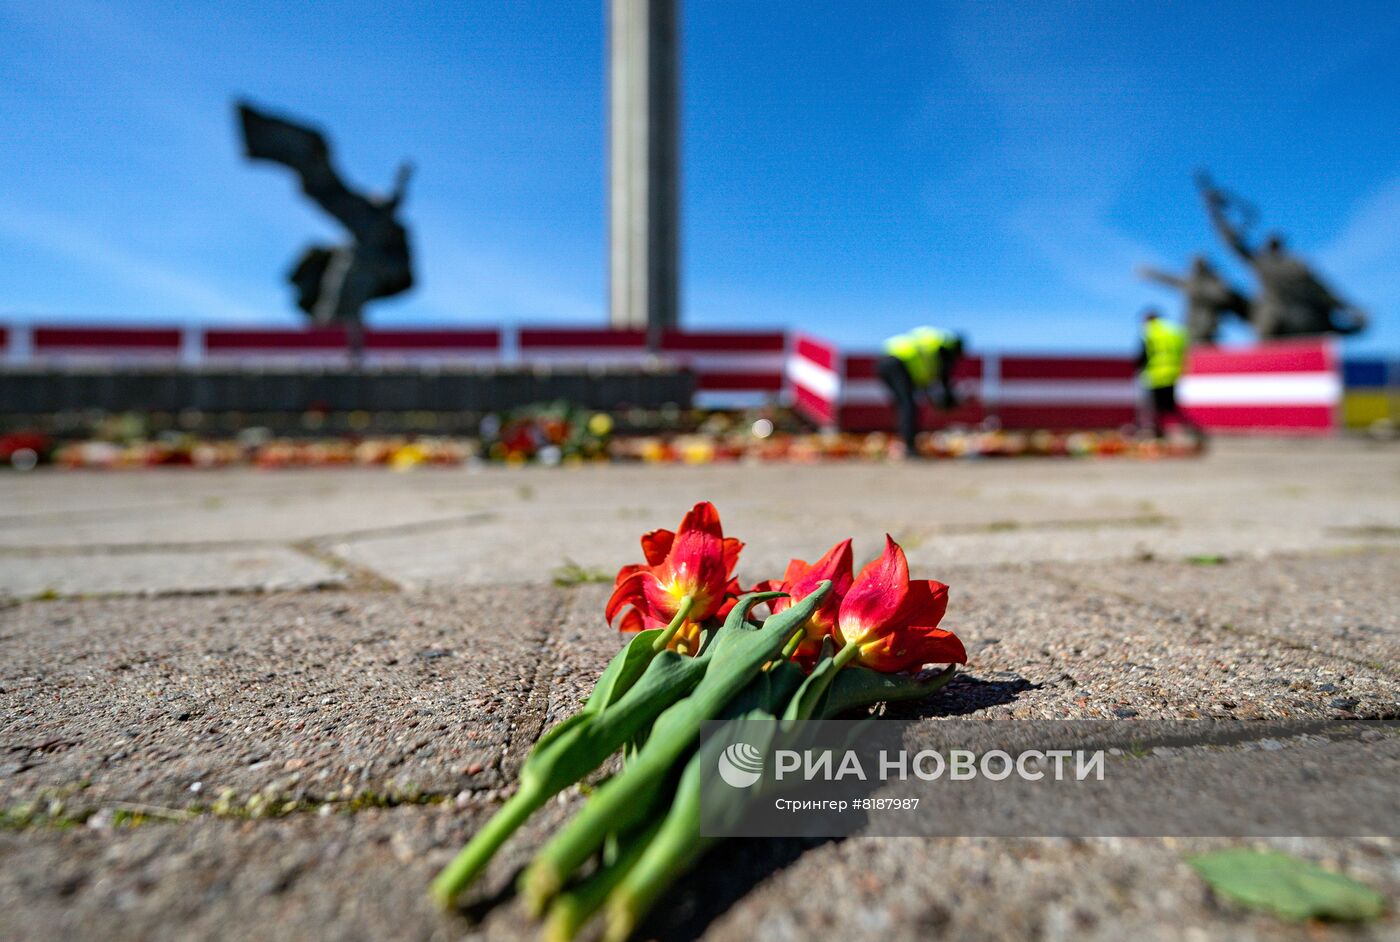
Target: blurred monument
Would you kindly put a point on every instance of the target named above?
(335, 282)
(643, 176)
(1209, 297)
(1292, 300)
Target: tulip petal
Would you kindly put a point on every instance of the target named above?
(926, 604)
(626, 572)
(795, 569)
(732, 549)
(631, 622)
(876, 595)
(630, 590)
(936, 646)
(703, 517)
(912, 648)
(656, 545)
(834, 565)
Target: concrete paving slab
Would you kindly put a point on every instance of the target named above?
(25, 574)
(1044, 646)
(1343, 604)
(231, 506)
(307, 697)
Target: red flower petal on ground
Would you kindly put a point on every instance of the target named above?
(894, 622)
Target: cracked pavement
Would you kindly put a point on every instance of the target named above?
(311, 686)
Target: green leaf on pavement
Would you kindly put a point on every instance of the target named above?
(1286, 886)
(857, 686)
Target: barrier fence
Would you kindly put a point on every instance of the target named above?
(1290, 387)
(1295, 387)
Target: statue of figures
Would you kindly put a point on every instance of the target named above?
(335, 282)
(1291, 300)
(1208, 297)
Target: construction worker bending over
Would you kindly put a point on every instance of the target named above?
(1160, 363)
(913, 362)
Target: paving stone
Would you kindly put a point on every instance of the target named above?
(209, 569)
(1343, 603)
(305, 696)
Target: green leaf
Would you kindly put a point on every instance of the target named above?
(571, 910)
(1207, 559)
(571, 574)
(576, 747)
(1289, 888)
(623, 670)
(857, 686)
(736, 656)
(807, 702)
(679, 843)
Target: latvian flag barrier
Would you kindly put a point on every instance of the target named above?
(1287, 387)
(328, 346)
(193, 346)
(101, 345)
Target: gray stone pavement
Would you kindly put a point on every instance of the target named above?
(270, 705)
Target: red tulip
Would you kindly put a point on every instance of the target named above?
(695, 562)
(801, 579)
(890, 623)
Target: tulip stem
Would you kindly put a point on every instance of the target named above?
(472, 859)
(794, 643)
(847, 654)
(663, 640)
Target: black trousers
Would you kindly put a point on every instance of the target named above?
(895, 376)
(1164, 406)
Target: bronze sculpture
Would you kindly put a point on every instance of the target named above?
(335, 282)
(1292, 299)
(1209, 297)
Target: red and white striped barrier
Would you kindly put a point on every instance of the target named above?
(1283, 387)
(78, 344)
(865, 403)
(733, 369)
(328, 345)
(1064, 392)
(1291, 387)
(1026, 392)
(815, 374)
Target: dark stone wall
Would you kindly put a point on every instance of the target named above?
(45, 391)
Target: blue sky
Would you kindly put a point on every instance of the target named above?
(850, 168)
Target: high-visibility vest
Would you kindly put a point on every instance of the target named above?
(1166, 353)
(919, 351)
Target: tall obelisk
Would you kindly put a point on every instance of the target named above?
(643, 172)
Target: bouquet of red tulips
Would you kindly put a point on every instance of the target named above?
(833, 641)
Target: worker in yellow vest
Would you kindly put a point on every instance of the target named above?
(1160, 363)
(912, 364)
